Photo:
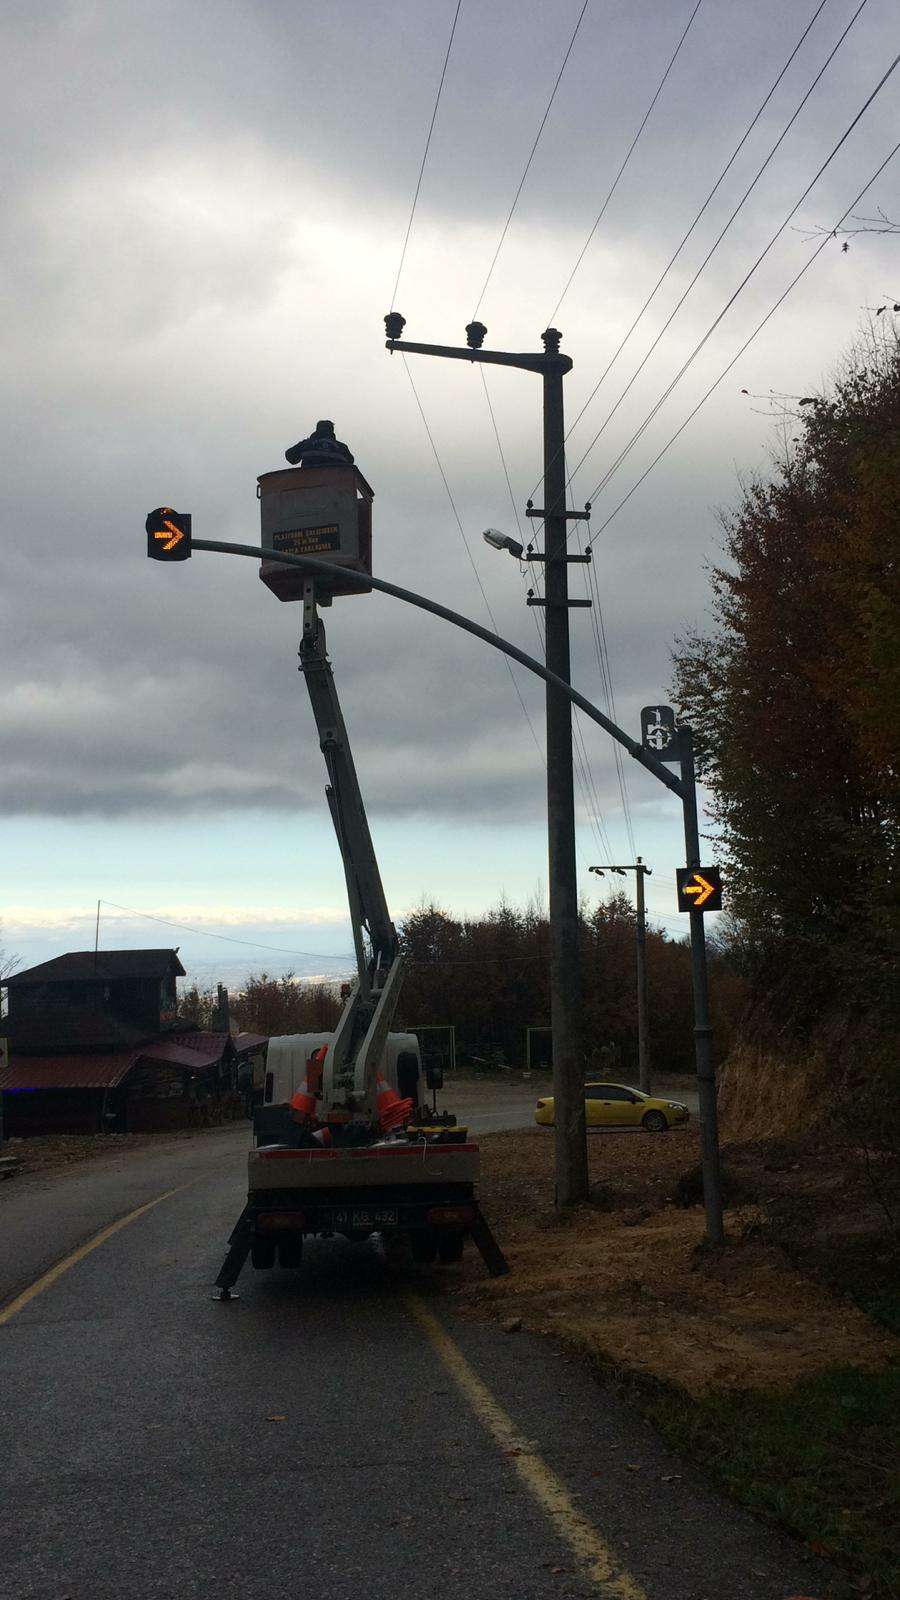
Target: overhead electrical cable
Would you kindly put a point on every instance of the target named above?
(742, 285)
(598, 629)
(583, 770)
(468, 550)
(602, 654)
(747, 342)
(629, 153)
(715, 245)
(537, 141)
(252, 944)
(677, 252)
(415, 200)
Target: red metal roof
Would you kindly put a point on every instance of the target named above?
(244, 1042)
(196, 1051)
(193, 1052)
(68, 1072)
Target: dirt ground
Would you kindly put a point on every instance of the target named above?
(627, 1278)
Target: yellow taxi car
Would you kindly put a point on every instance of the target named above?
(613, 1105)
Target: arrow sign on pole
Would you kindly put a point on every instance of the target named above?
(699, 888)
(168, 534)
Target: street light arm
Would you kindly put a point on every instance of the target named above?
(328, 569)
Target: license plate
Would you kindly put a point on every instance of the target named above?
(365, 1217)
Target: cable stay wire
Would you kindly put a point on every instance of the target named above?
(583, 770)
(629, 153)
(592, 588)
(598, 630)
(601, 648)
(747, 342)
(707, 202)
(415, 200)
(582, 760)
(639, 431)
(468, 550)
(714, 247)
(531, 156)
(252, 944)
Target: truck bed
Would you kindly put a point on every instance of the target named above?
(374, 1166)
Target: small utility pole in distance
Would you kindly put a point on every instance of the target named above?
(572, 1180)
(640, 871)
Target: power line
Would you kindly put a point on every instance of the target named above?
(743, 283)
(415, 201)
(462, 534)
(599, 631)
(601, 648)
(582, 763)
(529, 161)
(747, 342)
(714, 247)
(583, 770)
(631, 148)
(677, 252)
(252, 944)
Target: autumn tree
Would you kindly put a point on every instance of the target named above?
(795, 699)
(285, 1005)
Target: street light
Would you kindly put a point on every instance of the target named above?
(502, 541)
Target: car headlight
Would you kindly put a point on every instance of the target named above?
(675, 1105)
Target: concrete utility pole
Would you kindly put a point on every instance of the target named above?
(572, 1182)
(640, 871)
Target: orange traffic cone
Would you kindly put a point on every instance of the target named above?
(392, 1111)
(323, 1137)
(314, 1069)
(303, 1103)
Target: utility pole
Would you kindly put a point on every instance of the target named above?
(640, 871)
(572, 1183)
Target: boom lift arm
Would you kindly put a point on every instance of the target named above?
(352, 1062)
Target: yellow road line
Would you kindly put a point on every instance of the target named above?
(50, 1277)
(592, 1552)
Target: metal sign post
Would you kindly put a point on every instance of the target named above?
(703, 1049)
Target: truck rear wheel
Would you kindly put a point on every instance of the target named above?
(424, 1246)
(290, 1252)
(450, 1246)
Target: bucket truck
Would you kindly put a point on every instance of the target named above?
(341, 1147)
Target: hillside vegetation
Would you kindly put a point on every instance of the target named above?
(795, 700)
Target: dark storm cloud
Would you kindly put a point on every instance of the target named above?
(204, 218)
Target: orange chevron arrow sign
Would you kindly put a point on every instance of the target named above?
(699, 888)
(168, 534)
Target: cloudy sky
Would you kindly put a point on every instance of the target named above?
(203, 217)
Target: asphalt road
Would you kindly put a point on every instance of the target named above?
(334, 1433)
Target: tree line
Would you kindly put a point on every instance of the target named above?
(488, 977)
(794, 696)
